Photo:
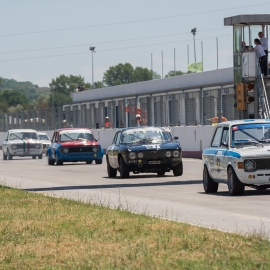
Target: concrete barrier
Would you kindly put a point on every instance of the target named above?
(193, 139)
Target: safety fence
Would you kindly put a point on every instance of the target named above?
(183, 108)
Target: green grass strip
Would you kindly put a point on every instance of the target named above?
(42, 232)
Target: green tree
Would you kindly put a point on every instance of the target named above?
(15, 109)
(9, 98)
(98, 84)
(177, 73)
(62, 88)
(119, 74)
(125, 73)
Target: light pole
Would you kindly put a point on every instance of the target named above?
(93, 51)
(193, 31)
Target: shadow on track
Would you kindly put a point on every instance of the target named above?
(246, 193)
(171, 183)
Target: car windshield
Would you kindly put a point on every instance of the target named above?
(143, 135)
(43, 137)
(73, 135)
(250, 134)
(23, 136)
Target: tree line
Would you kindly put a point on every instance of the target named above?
(24, 96)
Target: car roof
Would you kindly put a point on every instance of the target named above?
(61, 129)
(244, 121)
(22, 130)
(143, 127)
(41, 133)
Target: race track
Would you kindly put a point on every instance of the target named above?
(178, 198)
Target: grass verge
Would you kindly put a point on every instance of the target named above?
(41, 232)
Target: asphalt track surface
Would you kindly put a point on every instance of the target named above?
(177, 198)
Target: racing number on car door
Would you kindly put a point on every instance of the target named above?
(215, 156)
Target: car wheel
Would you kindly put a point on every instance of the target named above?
(9, 155)
(98, 161)
(50, 161)
(111, 171)
(123, 168)
(4, 156)
(33, 157)
(89, 161)
(58, 162)
(40, 156)
(209, 185)
(178, 170)
(162, 173)
(234, 185)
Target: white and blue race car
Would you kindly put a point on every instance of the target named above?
(239, 156)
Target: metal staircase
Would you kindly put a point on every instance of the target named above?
(264, 110)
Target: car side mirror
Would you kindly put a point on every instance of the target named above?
(176, 137)
(96, 140)
(224, 144)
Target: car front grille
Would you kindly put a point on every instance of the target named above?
(262, 164)
(81, 149)
(154, 154)
(25, 146)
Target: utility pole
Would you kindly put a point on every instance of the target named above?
(93, 51)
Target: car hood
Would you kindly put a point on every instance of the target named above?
(24, 141)
(79, 143)
(157, 146)
(254, 152)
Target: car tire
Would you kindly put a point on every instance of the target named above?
(34, 157)
(89, 161)
(162, 173)
(111, 171)
(50, 161)
(235, 187)
(209, 185)
(98, 161)
(40, 156)
(123, 168)
(178, 170)
(4, 156)
(10, 157)
(58, 162)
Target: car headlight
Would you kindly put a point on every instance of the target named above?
(140, 155)
(65, 150)
(95, 149)
(13, 147)
(168, 154)
(175, 153)
(250, 165)
(132, 155)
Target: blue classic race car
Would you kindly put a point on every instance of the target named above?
(73, 145)
(143, 150)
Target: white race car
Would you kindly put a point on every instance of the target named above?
(239, 156)
(45, 140)
(21, 142)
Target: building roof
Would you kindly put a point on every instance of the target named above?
(191, 81)
(253, 19)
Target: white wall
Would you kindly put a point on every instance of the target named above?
(192, 138)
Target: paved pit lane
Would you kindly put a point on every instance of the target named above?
(178, 198)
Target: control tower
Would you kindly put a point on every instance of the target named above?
(252, 87)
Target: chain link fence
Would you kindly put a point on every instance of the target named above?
(186, 108)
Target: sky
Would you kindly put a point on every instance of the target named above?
(42, 39)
